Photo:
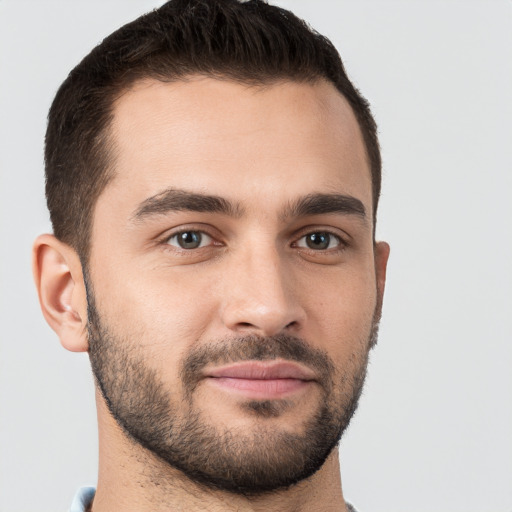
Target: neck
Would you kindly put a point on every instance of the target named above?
(134, 480)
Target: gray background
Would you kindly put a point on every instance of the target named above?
(434, 429)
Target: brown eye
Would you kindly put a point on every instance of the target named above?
(319, 241)
(189, 240)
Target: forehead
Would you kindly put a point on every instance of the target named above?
(236, 141)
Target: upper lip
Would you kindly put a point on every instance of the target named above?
(262, 370)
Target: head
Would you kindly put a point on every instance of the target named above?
(213, 179)
(250, 43)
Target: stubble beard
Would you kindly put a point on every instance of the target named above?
(243, 462)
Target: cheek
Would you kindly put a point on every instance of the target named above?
(162, 312)
(342, 313)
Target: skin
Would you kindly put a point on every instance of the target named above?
(261, 149)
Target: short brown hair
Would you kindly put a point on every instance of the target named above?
(249, 42)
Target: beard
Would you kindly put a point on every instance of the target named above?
(251, 461)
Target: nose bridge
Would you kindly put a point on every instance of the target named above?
(260, 296)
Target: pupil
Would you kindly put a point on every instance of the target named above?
(318, 240)
(189, 240)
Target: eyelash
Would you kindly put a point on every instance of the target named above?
(188, 231)
(341, 242)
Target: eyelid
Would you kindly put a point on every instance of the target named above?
(343, 237)
(206, 239)
(340, 241)
(204, 229)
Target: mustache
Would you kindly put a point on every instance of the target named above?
(258, 348)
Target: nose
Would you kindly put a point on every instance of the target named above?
(260, 297)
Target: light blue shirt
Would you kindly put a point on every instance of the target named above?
(85, 495)
(82, 499)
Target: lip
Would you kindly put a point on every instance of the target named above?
(261, 379)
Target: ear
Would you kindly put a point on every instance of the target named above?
(61, 289)
(382, 250)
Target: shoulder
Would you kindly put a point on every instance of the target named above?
(83, 498)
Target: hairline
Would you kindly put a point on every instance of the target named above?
(107, 146)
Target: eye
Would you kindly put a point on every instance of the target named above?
(190, 240)
(319, 241)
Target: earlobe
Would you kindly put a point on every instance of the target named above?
(60, 286)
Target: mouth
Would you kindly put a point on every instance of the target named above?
(262, 380)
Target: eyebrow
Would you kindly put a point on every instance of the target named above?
(171, 200)
(319, 204)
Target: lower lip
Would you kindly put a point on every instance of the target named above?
(261, 388)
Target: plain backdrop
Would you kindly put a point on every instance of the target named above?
(434, 428)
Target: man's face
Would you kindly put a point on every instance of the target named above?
(233, 292)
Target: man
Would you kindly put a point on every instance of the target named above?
(213, 180)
